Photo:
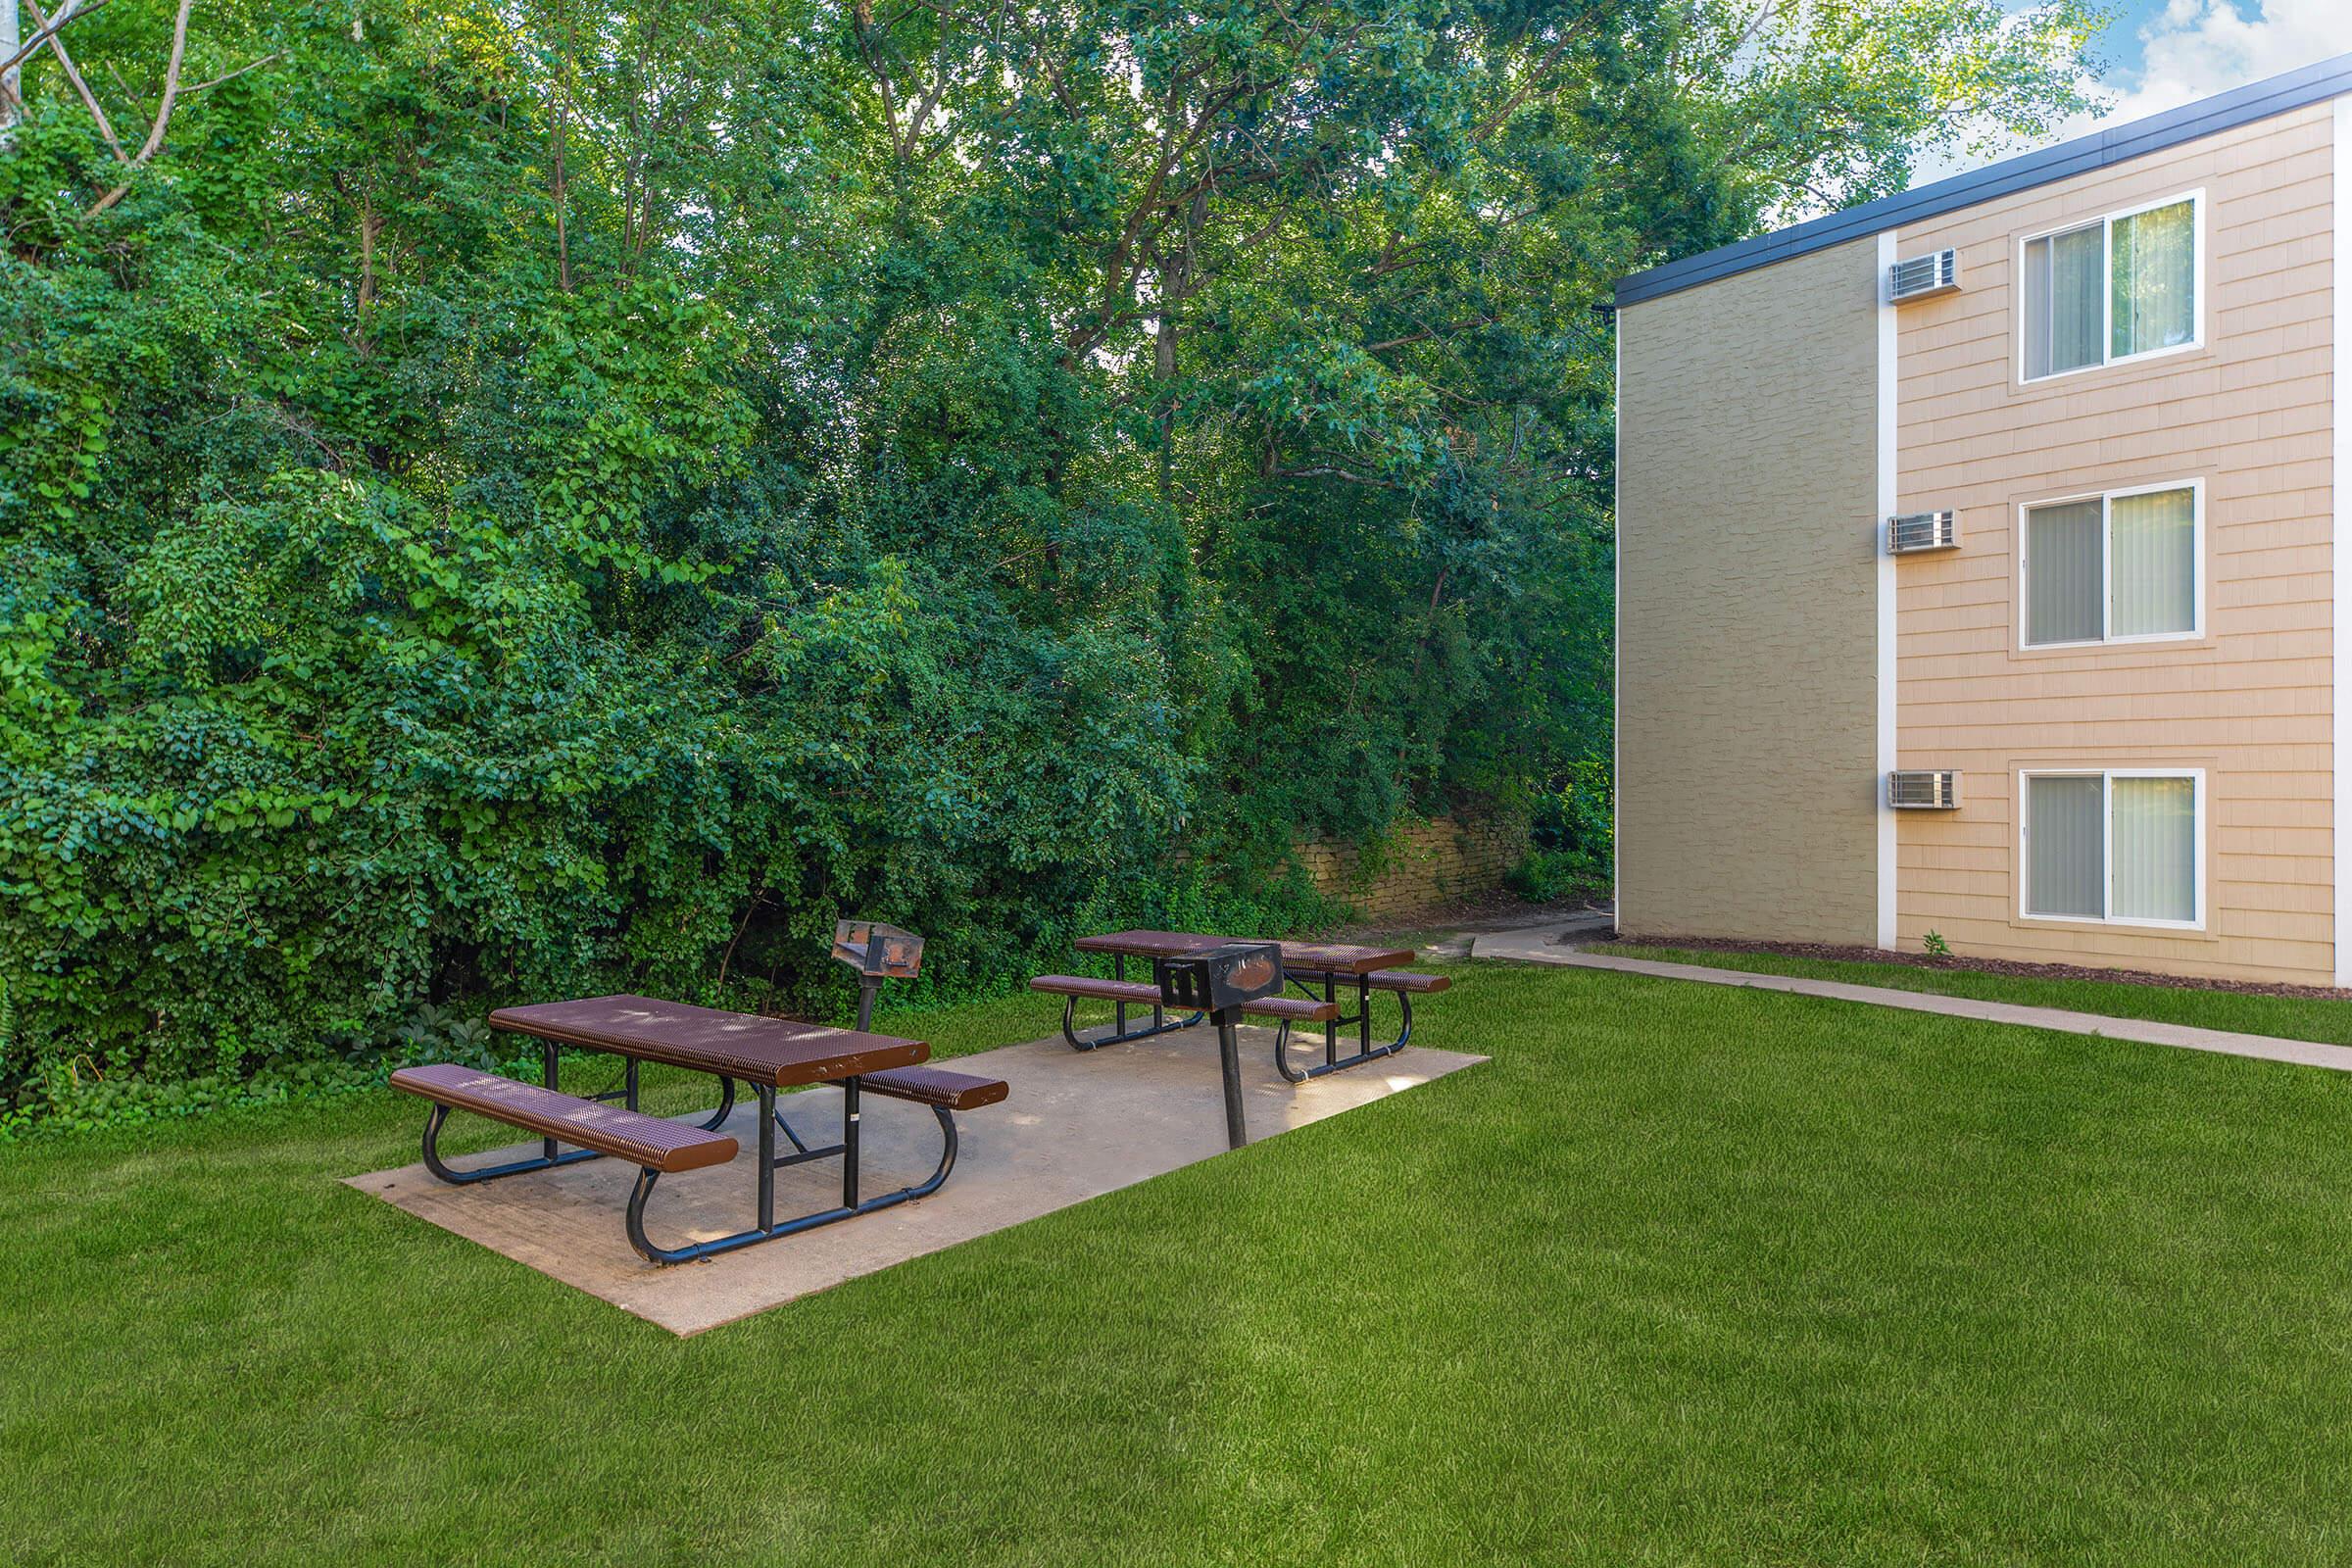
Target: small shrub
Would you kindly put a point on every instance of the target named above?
(1573, 837)
(445, 1034)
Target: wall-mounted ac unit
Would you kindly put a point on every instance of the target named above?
(1923, 277)
(1916, 531)
(1936, 790)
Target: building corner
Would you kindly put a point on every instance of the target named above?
(2339, 555)
(1887, 496)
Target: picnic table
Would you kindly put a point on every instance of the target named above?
(1331, 967)
(768, 1054)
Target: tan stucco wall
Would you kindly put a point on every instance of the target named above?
(1746, 706)
(2251, 415)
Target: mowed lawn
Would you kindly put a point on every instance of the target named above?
(1685, 1275)
(2325, 1019)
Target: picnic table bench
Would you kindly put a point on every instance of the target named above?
(1307, 965)
(768, 1054)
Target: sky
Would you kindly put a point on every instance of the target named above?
(2161, 54)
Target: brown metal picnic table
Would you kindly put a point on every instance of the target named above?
(768, 1054)
(1305, 964)
(1315, 957)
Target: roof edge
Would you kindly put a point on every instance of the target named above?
(2207, 116)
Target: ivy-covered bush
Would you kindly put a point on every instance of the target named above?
(509, 501)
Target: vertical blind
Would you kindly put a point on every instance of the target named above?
(2126, 566)
(2065, 577)
(2066, 282)
(2155, 279)
(2155, 869)
(2065, 846)
(2154, 540)
(2076, 821)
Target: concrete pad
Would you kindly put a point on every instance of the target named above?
(1076, 1124)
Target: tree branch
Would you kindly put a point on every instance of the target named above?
(89, 99)
(40, 38)
(230, 76)
(1332, 470)
(163, 109)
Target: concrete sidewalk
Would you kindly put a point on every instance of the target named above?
(1542, 946)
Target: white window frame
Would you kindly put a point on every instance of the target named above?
(2106, 500)
(2025, 859)
(2106, 226)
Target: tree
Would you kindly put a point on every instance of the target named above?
(503, 499)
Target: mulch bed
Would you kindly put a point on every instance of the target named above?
(2032, 971)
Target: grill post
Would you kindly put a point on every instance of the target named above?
(1229, 1053)
(1218, 982)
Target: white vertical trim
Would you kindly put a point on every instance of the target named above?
(1617, 613)
(1887, 499)
(2340, 567)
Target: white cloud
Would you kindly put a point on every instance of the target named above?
(2196, 48)
(2193, 49)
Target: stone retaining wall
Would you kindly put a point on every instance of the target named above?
(1421, 865)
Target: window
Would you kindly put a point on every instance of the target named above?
(2122, 846)
(2123, 566)
(2116, 288)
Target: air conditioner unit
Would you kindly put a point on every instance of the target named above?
(1923, 277)
(1937, 790)
(1916, 531)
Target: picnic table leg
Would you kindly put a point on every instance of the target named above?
(631, 1100)
(849, 1142)
(439, 1117)
(1229, 1053)
(1365, 1051)
(1331, 1026)
(768, 1228)
(1118, 971)
(767, 1156)
(547, 1065)
(726, 1104)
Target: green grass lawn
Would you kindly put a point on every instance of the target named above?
(2289, 1017)
(1685, 1275)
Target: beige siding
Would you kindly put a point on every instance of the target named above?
(2251, 415)
(1747, 602)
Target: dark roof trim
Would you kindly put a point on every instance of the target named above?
(2259, 100)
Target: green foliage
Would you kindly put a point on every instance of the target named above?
(521, 500)
(1572, 839)
(447, 1034)
(1934, 945)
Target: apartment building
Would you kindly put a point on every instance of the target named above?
(1981, 563)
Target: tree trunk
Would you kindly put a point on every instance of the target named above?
(559, 188)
